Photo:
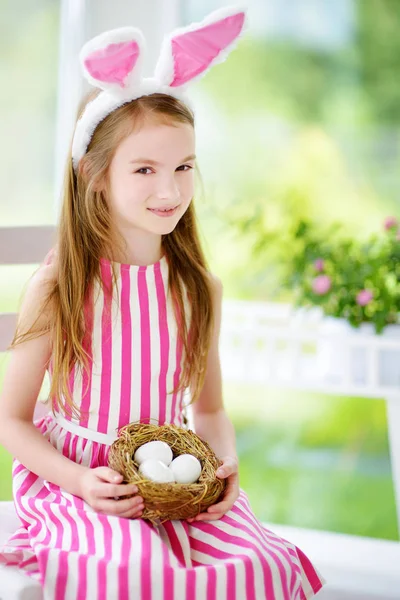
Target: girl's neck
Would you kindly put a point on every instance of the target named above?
(139, 257)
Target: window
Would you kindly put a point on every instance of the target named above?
(302, 120)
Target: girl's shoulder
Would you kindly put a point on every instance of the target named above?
(50, 260)
(36, 292)
(216, 284)
(46, 274)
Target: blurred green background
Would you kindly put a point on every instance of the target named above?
(302, 120)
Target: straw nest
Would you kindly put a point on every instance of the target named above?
(168, 501)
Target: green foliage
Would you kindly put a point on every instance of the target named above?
(5, 475)
(295, 83)
(331, 492)
(322, 461)
(378, 49)
(348, 278)
(357, 426)
(312, 134)
(304, 84)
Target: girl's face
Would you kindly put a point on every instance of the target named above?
(152, 168)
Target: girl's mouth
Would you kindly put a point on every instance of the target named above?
(163, 213)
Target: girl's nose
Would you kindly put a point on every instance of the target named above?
(168, 189)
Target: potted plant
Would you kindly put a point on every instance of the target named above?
(356, 282)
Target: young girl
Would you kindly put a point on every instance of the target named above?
(125, 316)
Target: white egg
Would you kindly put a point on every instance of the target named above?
(186, 468)
(156, 470)
(157, 450)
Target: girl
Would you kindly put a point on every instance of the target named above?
(125, 315)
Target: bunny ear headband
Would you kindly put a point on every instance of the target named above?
(113, 60)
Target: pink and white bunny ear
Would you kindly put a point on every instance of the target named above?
(189, 52)
(113, 60)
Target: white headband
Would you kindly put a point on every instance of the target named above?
(113, 60)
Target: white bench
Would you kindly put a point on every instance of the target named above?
(14, 585)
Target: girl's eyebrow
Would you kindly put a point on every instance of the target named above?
(154, 162)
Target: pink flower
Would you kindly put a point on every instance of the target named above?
(319, 265)
(364, 297)
(321, 284)
(390, 222)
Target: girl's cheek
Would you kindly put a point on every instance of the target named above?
(188, 190)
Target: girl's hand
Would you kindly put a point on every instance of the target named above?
(101, 488)
(228, 470)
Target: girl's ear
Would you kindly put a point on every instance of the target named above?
(82, 169)
(188, 53)
(83, 172)
(113, 60)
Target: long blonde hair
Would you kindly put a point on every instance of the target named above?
(84, 234)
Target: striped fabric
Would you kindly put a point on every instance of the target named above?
(131, 360)
(78, 554)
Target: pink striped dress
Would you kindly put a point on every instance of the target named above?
(78, 554)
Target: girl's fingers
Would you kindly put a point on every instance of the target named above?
(117, 507)
(225, 504)
(125, 489)
(132, 514)
(229, 467)
(111, 490)
(206, 517)
(216, 511)
(221, 507)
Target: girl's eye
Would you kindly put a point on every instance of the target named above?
(140, 171)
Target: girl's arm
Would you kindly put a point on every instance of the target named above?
(209, 416)
(22, 383)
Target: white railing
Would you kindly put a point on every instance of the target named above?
(274, 344)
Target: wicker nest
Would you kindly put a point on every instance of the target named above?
(168, 501)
